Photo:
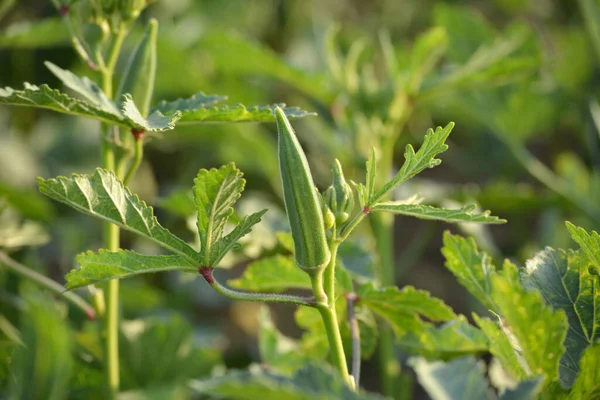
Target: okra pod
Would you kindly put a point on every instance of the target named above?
(302, 203)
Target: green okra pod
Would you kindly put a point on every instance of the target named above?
(302, 203)
(139, 76)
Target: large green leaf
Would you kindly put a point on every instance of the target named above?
(156, 122)
(52, 99)
(455, 338)
(564, 280)
(472, 268)
(402, 308)
(538, 330)
(84, 87)
(464, 214)
(589, 242)
(106, 265)
(464, 379)
(200, 108)
(587, 384)
(501, 347)
(276, 273)
(433, 144)
(215, 193)
(103, 196)
(310, 382)
(460, 379)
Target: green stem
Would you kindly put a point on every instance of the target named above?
(138, 155)
(554, 182)
(207, 273)
(111, 238)
(328, 315)
(589, 12)
(47, 283)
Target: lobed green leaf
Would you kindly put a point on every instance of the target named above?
(276, 273)
(199, 109)
(103, 196)
(587, 384)
(106, 265)
(460, 379)
(156, 122)
(215, 193)
(464, 214)
(472, 268)
(589, 242)
(84, 87)
(309, 382)
(540, 338)
(564, 280)
(455, 338)
(402, 308)
(433, 144)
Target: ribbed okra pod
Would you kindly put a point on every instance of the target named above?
(301, 198)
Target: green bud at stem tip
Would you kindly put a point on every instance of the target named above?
(302, 203)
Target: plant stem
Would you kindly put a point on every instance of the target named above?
(138, 155)
(111, 237)
(554, 182)
(47, 283)
(355, 333)
(207, 273)
(328, 314)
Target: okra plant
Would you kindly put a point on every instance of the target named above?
(541, 331)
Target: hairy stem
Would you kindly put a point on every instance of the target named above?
(111, 237)
(207, 273)
(329, 317)
(47, 283)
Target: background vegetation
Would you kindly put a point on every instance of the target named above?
(519, 78)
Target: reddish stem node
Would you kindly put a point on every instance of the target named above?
(138, 134)
(207, 274)
(366, 210)
(91, 314)
(63, 10)
(352, 297)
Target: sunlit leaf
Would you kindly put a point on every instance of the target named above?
(215, 193)
(472, 268)
(103, 196)
(464, 214)
(433, 144)
(276, 273)
(106, 265)
(540, 339)
(402, 308)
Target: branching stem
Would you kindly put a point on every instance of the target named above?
(207, 273)
(47, 283)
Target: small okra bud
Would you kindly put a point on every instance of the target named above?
(302, 203)
(138, 79)
(129, 10)
(339, 196)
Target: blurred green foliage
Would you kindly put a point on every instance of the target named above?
(519, 78)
